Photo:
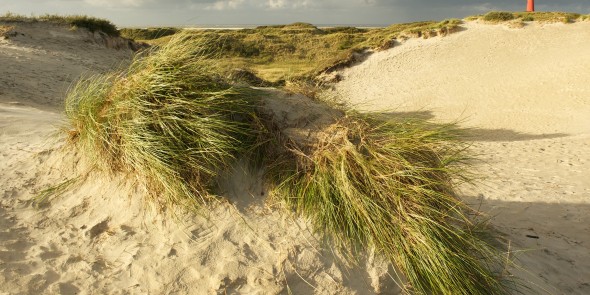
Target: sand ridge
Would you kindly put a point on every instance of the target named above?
(98, 238)
(524, 94)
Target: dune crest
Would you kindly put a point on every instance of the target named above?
(524, 95)
(98, 238)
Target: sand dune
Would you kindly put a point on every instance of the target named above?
(99, 239)
(524, 92)
(525, 95)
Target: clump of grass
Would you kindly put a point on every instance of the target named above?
(5, 30)
(306, 86)
(168, 120)
(93, 24)
(302, 50)
(545, 17)
(147, 33)
(390, 185)
(498, 16)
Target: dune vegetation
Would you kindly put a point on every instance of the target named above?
(366, 183)
(546, 17)
(174, 122)
(297, 51)
(93, 24)
(169, 119)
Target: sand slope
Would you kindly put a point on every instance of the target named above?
(96, 238)
(525, 94)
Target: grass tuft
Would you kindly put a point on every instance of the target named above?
(390, 185)
(545, 17)
(300, 50)
(93, 24)
(147, 33)
(498, 16)
(169, 120)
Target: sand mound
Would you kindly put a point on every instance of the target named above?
(523, 92)
(41, 60)
(97, 238)
(525, 95)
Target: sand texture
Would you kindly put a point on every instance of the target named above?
(525, 94)
(97, 237)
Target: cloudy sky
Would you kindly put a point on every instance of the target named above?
(242, 12)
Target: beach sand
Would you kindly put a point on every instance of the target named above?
(524, 95)
(524, 92)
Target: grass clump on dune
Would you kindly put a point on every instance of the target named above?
(172, 122)
(498, 16)
(147, 33)
(390, 185)
(545, 17)
(168, 120)
(297, 51)
(93, 24)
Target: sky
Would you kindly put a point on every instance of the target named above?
(142, 13)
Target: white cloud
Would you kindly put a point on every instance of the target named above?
(117, 3)
(276, 4)
(225, 4)
(292, 4)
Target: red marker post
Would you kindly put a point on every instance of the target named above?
(530, 7)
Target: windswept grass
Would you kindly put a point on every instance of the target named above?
(390, 185)
(498, 16)
(169, 120)
(147, 33)
(545, 17)
(4, 30)
(300, 50)
(93, 24)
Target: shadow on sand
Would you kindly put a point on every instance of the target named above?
(550, 243)
(475, 134)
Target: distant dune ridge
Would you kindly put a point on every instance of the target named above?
(523, 92)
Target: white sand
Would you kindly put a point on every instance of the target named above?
(532, 131)
(526, 95)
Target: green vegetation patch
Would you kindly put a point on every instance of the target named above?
(390, 185)
(147, 33)
(169, 120)
(498, 16)
(546, 17)
(299, 50)
(173, 122)
(76, 21)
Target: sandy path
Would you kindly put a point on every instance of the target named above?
(525, 94)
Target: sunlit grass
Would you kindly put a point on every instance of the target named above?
(299, 50)
(545, 17)
(391, 185)
(169, 120)
(76, 21)
(173, 122)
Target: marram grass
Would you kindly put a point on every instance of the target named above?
(388, 185)
(168, 120)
